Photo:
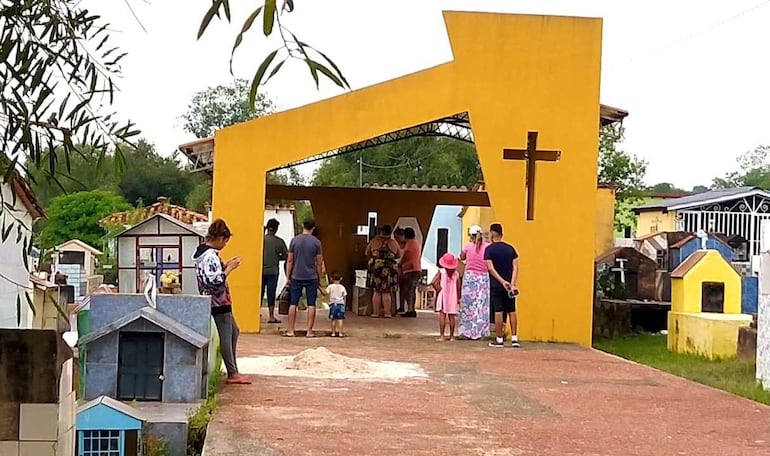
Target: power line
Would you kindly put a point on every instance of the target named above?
(694, 34)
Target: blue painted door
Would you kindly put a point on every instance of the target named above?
(140, 367)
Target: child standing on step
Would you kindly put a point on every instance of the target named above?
(337, 294)
(447, 286)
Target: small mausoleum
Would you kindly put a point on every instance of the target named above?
(133, 347)
(159, 245)
(77, 260)
(108, 427)
(631, 273)
(705, 306)
(156, 355)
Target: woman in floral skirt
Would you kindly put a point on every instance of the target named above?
(474, 302)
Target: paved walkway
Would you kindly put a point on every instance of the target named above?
(544, 399)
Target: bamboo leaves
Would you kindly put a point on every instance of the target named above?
(318, 63)
(57, 73)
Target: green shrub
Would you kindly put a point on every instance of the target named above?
(153, 445)
(198, 421)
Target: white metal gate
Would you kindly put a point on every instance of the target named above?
(745, 224)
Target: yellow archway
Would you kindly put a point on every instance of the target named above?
(515, 75)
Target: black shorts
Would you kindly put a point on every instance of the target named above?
(501, 302)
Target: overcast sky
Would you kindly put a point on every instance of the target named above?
(693, 77)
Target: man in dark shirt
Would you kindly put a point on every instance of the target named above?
(273, 252)
(503, 264)
(304, 266)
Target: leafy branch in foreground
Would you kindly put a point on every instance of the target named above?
(318, 63)
(57, 71)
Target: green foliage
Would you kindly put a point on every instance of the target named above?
(78, 175)
(77, 215)
(607, 285)
(153, 445)
(199, 420)
(732, 375)
(218, 107)
(622, 169)
(199, 196)
(754, 171)
(291, 48)
(665, 187)
(414, 161)
(149, 176)
(57, 67)
(108, 268)
(700, 189)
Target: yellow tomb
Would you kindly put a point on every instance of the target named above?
(705, 306)
(530, 87)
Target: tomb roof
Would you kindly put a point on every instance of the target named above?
(155, 317)
(113, 404)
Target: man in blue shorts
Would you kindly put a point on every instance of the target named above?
(503, 264)
(304, 266)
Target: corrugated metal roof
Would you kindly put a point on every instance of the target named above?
(435, 188)
(701, 199)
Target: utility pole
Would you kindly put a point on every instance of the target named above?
(360, 172)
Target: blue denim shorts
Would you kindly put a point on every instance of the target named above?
(311, 291)
(336, 311)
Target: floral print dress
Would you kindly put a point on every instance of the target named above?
(474, 301)
(383, 270)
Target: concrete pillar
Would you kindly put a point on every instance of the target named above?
(763, 322)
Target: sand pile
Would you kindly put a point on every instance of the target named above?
(322, 363)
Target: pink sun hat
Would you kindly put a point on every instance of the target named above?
(448, 261)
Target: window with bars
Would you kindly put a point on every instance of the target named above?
(661, 259)
(100, 443)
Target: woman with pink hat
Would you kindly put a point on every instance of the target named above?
(447, 286)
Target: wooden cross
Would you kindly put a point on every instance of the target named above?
(532, 156)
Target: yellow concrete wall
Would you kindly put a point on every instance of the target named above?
(705, 334)
(686, 293)
(605, 219)
(655, 221)
(512, 74)
(481, 216)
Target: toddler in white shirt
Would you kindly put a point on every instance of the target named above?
(337, 296)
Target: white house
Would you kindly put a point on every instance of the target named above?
(14, 275)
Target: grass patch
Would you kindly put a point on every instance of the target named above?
(731, 375)
(198, 421)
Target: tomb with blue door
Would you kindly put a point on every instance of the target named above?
(107, 427)
(150, 352)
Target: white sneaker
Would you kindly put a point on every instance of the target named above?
(515, 344)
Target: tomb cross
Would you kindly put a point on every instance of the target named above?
(621, 268)
(532, 156)
(703, 236)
